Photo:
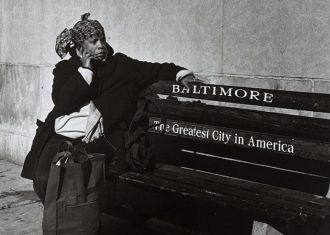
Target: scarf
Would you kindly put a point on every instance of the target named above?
(81, 31)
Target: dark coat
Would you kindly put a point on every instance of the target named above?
(116, 83)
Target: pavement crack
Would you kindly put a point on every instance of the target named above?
(18, 205)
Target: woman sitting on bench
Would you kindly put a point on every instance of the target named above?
(94, 96)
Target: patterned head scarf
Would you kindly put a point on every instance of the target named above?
(81, 31)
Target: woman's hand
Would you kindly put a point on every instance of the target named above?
(85, 58)
(188, 79)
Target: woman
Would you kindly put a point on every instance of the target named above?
(94, 94)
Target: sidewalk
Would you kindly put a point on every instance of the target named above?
(21, 211)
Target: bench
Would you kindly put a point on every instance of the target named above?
(220, 168)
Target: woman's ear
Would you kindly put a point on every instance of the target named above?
(72, 51)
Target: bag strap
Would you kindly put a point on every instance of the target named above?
(110, 146)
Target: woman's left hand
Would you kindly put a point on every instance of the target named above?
(188, 79)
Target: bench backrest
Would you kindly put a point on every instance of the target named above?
(279, 149)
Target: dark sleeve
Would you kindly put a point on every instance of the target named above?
(146, 73)
(70, 90)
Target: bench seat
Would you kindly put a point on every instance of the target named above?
(263, 200)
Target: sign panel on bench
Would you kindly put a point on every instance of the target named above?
(241, 138)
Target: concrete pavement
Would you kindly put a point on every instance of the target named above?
(20, 209)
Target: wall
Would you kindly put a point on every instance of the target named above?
(282, 44)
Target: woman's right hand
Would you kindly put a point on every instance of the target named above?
(85, 58)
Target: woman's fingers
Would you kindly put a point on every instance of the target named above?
(87, 55)
(79, 52)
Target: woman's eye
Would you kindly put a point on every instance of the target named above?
(93, 41)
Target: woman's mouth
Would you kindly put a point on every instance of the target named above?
(100, 56)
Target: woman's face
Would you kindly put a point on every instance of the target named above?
(96, 47)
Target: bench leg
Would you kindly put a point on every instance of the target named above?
(260, 228)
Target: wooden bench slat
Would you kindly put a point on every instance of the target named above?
(249, 120)
(251, 189)
(294, 147)
(276, 177)
(309, 166)
(245, 95)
